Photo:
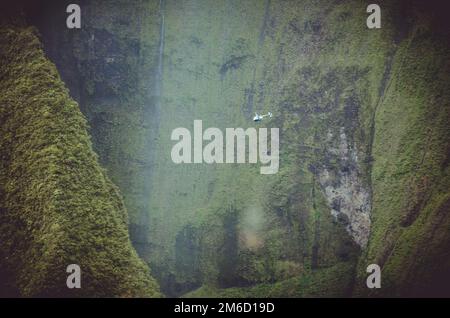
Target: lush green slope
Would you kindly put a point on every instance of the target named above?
(334, 281)
(110, 66)
(57, 205)
(393, 104)
(363, 118)
(410, 235)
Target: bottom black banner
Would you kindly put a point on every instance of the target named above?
(211, 307)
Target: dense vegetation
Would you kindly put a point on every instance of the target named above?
(363, 117)
(58, 207)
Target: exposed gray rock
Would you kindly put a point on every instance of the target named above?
(347, 196)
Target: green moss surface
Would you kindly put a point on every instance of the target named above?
(335, 281)
(58, 207)
(368, 109)
(410, 176)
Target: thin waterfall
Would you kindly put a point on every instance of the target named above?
(140, 234)
(159, 74)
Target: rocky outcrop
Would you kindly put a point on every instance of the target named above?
(347, 196)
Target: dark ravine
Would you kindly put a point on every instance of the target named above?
(363, 117)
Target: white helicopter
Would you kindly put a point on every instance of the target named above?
(258, 117)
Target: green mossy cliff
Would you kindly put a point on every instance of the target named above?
(57, 206)
(410, 175)
(364, 140)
